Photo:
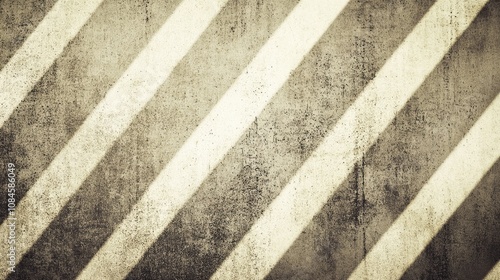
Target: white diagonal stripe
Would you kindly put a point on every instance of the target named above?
(110, 118)
(329, 165)
(494, 273)
(40, 50)
(213, 138)
(448, 187)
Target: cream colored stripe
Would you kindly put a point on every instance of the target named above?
(448, 187)
(212, 139)
(109, 119)
(329, 165)
(41, 48)
(494, 273)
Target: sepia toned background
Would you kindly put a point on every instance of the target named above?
(279, 140)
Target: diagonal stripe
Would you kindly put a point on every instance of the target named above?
(39, 51)
(110, 119)
(216, 134)
(467, 245)
(355, 132)
(450, 185)
(404, 157)
(494, 273)
(154, 136)
(47, 118)
(19, 19)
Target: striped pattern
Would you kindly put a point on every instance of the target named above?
(436, 201)
(111, 117)
(213, 137)
(39, 51)
(274, 139)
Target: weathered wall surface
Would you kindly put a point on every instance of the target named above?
(270, 152)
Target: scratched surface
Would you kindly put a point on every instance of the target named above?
(278, 142)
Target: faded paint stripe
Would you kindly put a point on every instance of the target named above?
(448, 187)
(213, 138)
(40, 50)
(110, 119)
(494, 273)
(329, 165)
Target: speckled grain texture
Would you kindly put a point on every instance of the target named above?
(278, 142)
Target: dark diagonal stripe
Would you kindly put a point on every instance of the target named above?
(253, 173)
(218, 132)
(39, 51)
(45, 121)
(436, 201)
(111, 118)
(494, 272)
(354, 133)
(17, 20)
(405, 156)
(468, 245)
(193, 88)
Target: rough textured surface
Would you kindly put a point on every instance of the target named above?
(280, 139)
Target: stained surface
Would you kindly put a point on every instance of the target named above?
(278, 142)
